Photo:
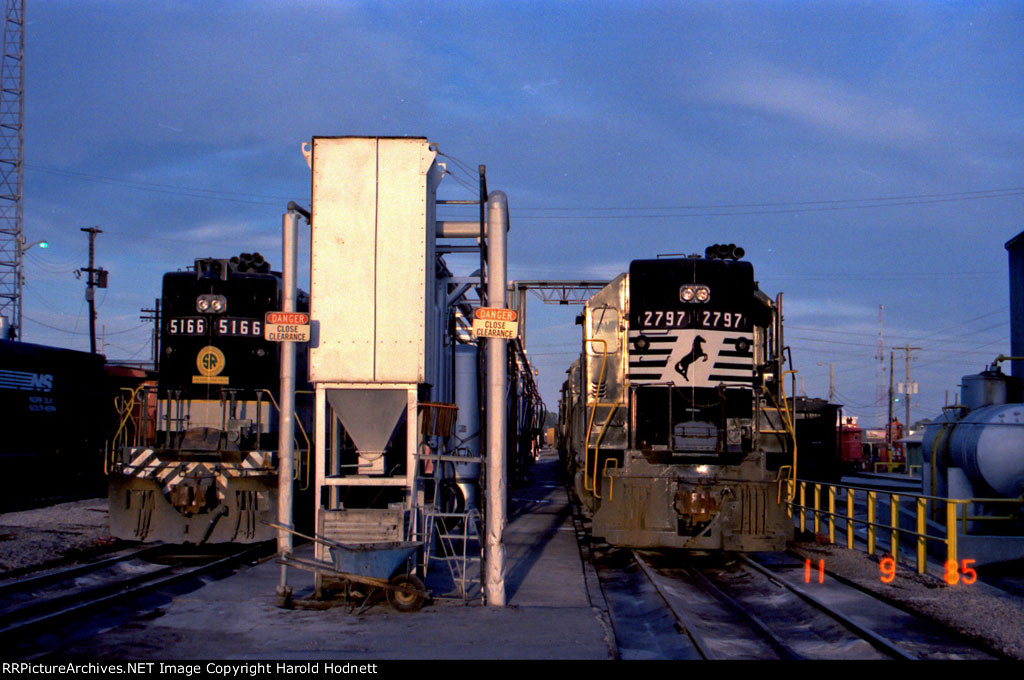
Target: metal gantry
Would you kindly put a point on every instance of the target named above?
(12, 144)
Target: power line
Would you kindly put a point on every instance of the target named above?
(177, 190)
(696, 210)
(77, 332)
(982, 193)
(713, 211)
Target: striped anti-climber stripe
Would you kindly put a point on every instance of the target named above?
(146, 463)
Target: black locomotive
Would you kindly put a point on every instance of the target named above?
(674, 423)
(199, 462)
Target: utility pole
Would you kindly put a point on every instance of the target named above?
(880, 363)
(97, 279)
(831, 381)
(155, 318)
(888, 423)
(907, 389)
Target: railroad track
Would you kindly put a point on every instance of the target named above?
(732, 606)
(42, 604)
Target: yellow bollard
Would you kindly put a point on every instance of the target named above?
(871, 522)
(849, 519)
(921, 541)
(831, 514)
(803, 504)
(951, 533)
(894, 524)
(817, 507)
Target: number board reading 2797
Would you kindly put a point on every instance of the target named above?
(704, 318)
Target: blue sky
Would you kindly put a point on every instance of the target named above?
(619, 130)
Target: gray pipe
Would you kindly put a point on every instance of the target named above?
(494, 578)
(450, 229)
(286, 424)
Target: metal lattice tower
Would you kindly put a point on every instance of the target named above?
(12, 145)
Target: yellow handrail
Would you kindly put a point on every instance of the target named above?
(788, 479)
(788, 419)
(597, 446)
(108, 455)
(786, 422)
(593, 410)
(873, 525)
(611, 480)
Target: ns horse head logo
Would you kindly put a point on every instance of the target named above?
(696, 352)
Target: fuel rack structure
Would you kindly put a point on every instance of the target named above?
(397, 393)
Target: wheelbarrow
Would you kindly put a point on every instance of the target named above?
(377, 565)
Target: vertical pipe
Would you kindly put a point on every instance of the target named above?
(497, 225)
(286, 398)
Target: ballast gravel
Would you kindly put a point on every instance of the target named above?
(51, 536)
(983, 613)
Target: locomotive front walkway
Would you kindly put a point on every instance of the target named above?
(550, 613)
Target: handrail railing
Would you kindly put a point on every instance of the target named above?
(593, 410)
(113, 442)
(956, 511)
(302, 429)
(611, 480)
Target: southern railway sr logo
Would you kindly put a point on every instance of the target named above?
(210, 364)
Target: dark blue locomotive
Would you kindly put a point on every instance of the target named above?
(200, 465)
(675, 427)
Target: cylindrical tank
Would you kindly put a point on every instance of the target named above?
(988, 444)
(467, 424)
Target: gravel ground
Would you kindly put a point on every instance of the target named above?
(54, 535)
(984, 613)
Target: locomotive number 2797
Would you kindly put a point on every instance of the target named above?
(711, 319)
(680, 319)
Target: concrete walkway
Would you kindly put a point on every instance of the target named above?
(550, 614)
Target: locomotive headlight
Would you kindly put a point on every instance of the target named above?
(702, 469)
(694, 293)
(211, 304)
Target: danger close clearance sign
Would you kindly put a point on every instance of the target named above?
(492, 322)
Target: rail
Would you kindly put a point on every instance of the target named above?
(955, 511)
